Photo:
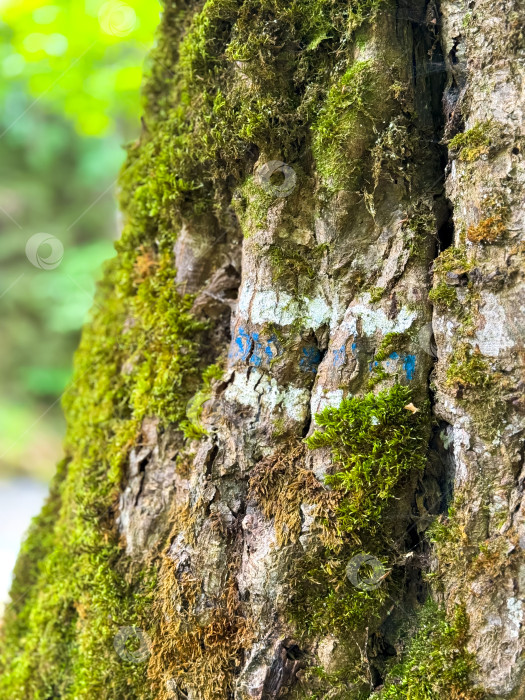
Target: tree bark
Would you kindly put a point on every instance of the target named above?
(294, 463)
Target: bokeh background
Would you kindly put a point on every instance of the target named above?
(70, 75)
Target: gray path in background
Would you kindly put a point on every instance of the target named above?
(20, 500)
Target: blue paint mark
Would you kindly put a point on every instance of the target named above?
(311, 359)
(257, 357)
(264, 353)
(339, 356)
(409, 365)
(251, 346)
(268, 351)
(243, 343)
(354, 348)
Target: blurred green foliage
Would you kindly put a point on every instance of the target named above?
(69, 99)
(84, 56)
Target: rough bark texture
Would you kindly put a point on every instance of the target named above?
(484, 408)
(308, 351)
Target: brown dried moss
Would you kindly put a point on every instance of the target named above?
(488, 230)
(199, 643)
(280, 483)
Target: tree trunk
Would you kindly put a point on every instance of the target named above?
(294, 462)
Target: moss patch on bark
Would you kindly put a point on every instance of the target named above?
(377, 445)
(74, 588)
(436, 663)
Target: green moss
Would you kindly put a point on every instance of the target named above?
(466, 20)
(436, 663)
(468, 368)
(463, 552)
(339, 685)
(474, 382)
(452, 259)
(377, 446)
(394, 150)
(376, 294)
(192, 427)
(142, 355)
(377, 375)
(246, 76)
(451, 545)
(390, 343)
(356, 104)
(252, 204)
(418, 228)
(443, 296)
(374, 442)
(289, 259)
(232, 83)
(294, 265)
(74, 586)
(474, 143)
(422, 221)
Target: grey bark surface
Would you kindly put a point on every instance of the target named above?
(329, 328)
(483, 46)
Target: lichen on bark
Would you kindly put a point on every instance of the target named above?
(245, 320)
